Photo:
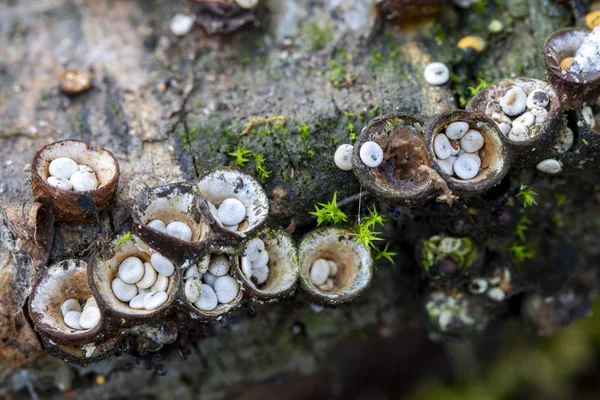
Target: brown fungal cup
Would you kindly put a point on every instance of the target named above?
(103, 268)
(224, 183)
(571, 87)
(354, 262)
(283, 266)
(224, 16)
(174, 202)
(526, 152)
(72, 206)
(495, 160)
(64, 280)
(402, 178)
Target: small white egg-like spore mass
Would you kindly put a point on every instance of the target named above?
(219, 265)
(158, 225)
(549, 166)
(472, 141)
(371, 154)
(192, 289)
(71, 319)
(181, 24)
(466, 167)
(149, 277)
(343, 157)
(226, 289)
(83, 181)
(123, 291)
(447, 165)
(70, 305)
(319, 271)
(514, 101)
(90, 317)
(62, 167)
(161, 284)
(260, 274)
(253, 249)
(180, 230)
(442, 147)
(538, 98)
(210, 279)
(436, 73)
(231, 211)
(456, 130)
(138, 301)
(60, 183)
(162, 264)
(153, 300)
(131, 270)
(208, 299)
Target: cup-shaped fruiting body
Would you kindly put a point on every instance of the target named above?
(402, 177)
(34, 224)
(481, 159)
(60, 290)
(455, 315)
(334, 267)
(572, 86)
(210, 288)
(82, 354)
(128, 297)
(448, 259)
(169, 219)
(236, 204)
(75, 206)
(269, 265)
(225, 16)
(527, 111)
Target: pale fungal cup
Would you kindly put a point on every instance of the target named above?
(181, 24)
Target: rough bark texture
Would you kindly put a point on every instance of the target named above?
(172, 108)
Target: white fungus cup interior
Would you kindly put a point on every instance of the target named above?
(176, 206)
(564, 44)
(105, 271)
(353, 260)
(222, 308)
(223, 183)
(65, 280)
(102, 162)
(283, 264)
(492, 154)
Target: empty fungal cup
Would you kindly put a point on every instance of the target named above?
(75, 206)
(66, 280)
(237, 204)
(169, 219)
(115, 293)
(334, 268)
(481, 159)
(402, 177)
(559, 51)
(269, 265)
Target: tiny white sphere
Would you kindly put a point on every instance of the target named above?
(262, 260)
(472, 141)
(253, 249)
(442, 147)
(209, 279)
(514, 101)
(496, 294)
(181, 24)
(247, 4)
(192, 272)
(137, 302)
(518, 133)
(504, 128)
(549, 166)
(466, 167)
(526, 119)
(208, 299)
(436, 73)
(319, 271)
(193, 289)
(70, 305)
(60, 183)
(62, 167)
(588, 116)
(333, 268)
(158, 225)
(260, 274)
(83, 181)
(478, 285)
(131, 270)
(457, 129)
(161, 284)
(123, 291)
(180, 230)
(540, 114)
(474, 157)
(153, 300)
(343, 157)
(495, 26)
(91, 302)
(447, 165)
(149, 277)
(89, 318)
(71, 319)
(246, 265)
(83, 167)
(162, 264)
(564, 141)
(231, 211)
(226, 289)
(219, 265)
(371, 154)
(502, 118)
(538, 98)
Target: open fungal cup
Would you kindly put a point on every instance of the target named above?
(62, 307)
(169, 219)
(527, 111)
(210, 287)
(133, 283)
(58, 168)
(455, 315)
(448, 259)
(269, 265)
(573, 79)
(402, 176)
(334, 268)
(237, 205)
(474, 162)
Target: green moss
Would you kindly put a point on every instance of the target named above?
(318, 36)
